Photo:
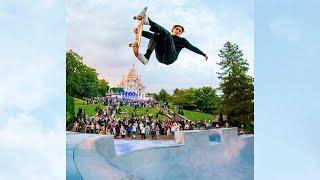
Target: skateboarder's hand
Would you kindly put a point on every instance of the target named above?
(206, 57)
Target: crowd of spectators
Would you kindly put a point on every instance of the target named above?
(133, 126)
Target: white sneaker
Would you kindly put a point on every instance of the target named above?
(143, 59)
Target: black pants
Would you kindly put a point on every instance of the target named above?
(162, 42)
(143, 136)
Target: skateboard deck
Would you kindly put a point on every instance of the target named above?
(138, 32)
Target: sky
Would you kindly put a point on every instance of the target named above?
(32, 94)
(100, 32)
(287, 108)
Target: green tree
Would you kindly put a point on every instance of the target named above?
(82, 81)
(176, 90)
(69, 111)
(103, 87)
(185, 98)
(163, 96)
(73, 66)
(207, 100)
(236, 86)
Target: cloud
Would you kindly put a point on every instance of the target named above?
(30, 84)
(32, 93)
(29, 149)
(101, 31)
(29, 152)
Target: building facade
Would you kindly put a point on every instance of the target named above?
(132, 86)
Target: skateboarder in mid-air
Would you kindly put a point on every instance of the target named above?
(167, 45)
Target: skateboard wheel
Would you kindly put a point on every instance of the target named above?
(137, 17)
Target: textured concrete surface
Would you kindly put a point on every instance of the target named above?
(210, 154)
(71, 141)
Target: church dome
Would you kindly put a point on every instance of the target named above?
(133, 73)
(132, 81)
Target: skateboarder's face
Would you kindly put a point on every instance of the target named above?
(177, 31)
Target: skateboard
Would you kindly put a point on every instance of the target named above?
(138, 31)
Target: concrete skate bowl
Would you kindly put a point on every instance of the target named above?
(207, 154)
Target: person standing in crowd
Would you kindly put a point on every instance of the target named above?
(97, 128)
(208, 125)
(163, 130)
(147, 130)
(75, 126)
(143, 132)
(105, 125)
(168, 131)
(173, 128)
(129, 130)
(186, 127)
(113, 127)
(117, 130)
(121, 129)
(92, 127)
(134, 130)
(123, 132)
(140, 125)
(157, 131)
(153, 132)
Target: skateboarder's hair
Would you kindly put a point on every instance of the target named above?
(177, 25)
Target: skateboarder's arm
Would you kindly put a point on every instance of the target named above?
(193, 48)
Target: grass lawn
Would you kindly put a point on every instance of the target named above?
(79, 101)
(193, 115)
(140, 112)
(88, 108)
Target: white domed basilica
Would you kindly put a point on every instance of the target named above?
(132, 85)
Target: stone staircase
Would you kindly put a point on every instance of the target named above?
(172, 116)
